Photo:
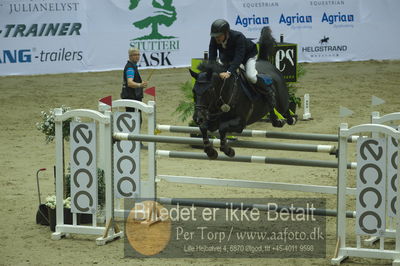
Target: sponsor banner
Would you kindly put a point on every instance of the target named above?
(58, 36)
(371, 187)
(84, 185)
(335, 30)
(42, 36)
(126, 152)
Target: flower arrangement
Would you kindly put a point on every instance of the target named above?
(51, 202)
(47, 125)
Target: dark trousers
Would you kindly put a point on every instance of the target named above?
(131, 110)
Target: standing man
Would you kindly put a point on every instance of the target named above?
(133, 85)
(235, 49)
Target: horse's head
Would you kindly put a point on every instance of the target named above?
(207, 92)
(202, 91)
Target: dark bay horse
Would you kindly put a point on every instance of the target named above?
(222, 105)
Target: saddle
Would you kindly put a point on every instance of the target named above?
(252, 91)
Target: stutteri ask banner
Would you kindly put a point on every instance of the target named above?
(58, 36)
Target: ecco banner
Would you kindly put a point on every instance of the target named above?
(126, 152)
(58, 36)
(84, 184)
(392, 177)
(371, 184)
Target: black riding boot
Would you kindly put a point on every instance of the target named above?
(267, 91)
(269, 94)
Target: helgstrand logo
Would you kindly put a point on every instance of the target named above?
(157, 48)
(325, 49)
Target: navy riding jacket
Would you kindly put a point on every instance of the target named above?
(238, 50)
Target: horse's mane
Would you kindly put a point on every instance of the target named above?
(267, 43)
(211, 67)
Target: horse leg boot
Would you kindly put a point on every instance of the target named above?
(225, 148)
(208, 148)
(269, 94)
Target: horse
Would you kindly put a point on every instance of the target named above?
(324, 40)
(221, 104)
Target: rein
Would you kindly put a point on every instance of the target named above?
(226, 106)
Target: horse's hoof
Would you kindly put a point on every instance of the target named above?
(212, 154)
(278, 122)
(230, 153)
(292, 120)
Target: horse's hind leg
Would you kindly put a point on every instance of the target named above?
(276, 120)
(291, 117)
(208, 148)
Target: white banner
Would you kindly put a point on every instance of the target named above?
(83, 159)
(392, 177)
(126, 154)
(371, 186)
(57, 36)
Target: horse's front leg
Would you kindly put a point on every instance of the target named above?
(208, 148)
(225, 148)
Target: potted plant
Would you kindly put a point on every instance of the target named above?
(295, 101)
(186, 107)
(51, 206)
(48, 128)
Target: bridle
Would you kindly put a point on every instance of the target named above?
(224, 107)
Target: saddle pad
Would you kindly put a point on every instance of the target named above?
(267, 80)
(248, 89)
(250, 92)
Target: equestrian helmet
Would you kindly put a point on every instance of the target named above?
(220, 26)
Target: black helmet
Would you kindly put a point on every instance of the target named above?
(220, 26)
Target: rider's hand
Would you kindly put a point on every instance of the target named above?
(224, 75)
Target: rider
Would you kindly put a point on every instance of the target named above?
(235, 49)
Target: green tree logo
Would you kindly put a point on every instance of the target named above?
(163, 14)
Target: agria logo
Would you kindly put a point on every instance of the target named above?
(157, 49)
(163, 14)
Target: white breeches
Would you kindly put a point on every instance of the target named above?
(251, 71)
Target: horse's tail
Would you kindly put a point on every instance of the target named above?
(266, 44)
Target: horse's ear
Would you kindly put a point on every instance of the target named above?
(193, 74)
